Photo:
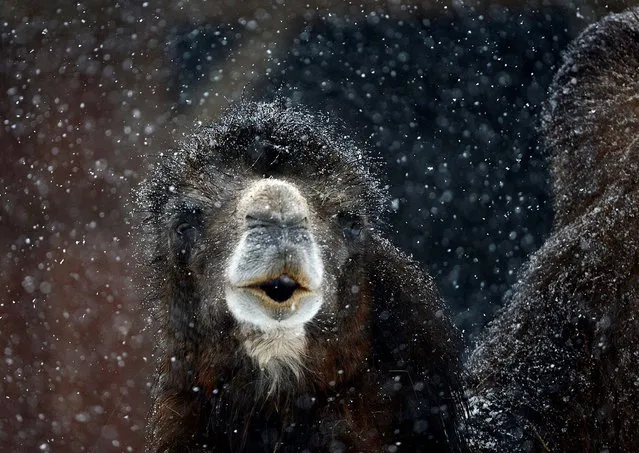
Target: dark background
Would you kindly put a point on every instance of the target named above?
(447, 94)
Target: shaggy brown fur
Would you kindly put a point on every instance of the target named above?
(559, 369)
(381, 369)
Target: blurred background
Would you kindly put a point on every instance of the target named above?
(447, 93)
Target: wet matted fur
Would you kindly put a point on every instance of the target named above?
(558, 370)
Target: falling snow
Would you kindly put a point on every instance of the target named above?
(448, 98)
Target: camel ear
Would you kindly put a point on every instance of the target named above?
(413, 334)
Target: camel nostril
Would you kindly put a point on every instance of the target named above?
(280, 289)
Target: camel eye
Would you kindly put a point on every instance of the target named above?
(355, 230)
(352, 225)
(187, 232)
(186, 235)
(185, 229)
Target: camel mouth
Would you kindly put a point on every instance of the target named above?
(280, 292)
(280, 289)
(274, 302)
